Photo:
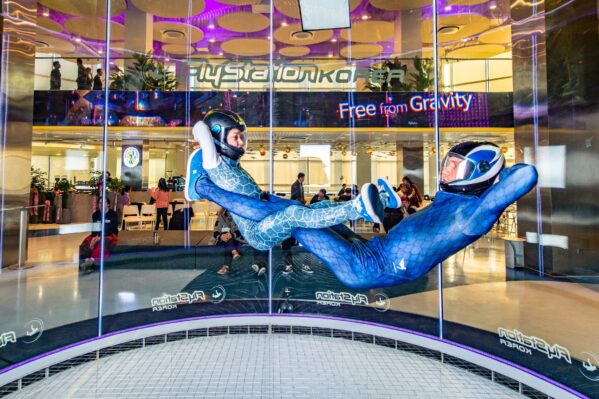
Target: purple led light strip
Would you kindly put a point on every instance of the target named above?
(306, 316)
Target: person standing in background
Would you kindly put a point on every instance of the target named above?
(297, 189)
(98, 79)
(161, 197)
(81, 79)
(55, 76)
(89, 79)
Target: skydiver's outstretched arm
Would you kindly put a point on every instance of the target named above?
(513, 183)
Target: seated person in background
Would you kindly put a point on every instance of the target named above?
(406, 200)
(181, 219)
(90, 249)
(346, 196)
(227, 235)
(413, 192)
(340, 193)
(321, 196)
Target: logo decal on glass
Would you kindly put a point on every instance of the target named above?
(33, 330)
(217, 294)
(590, 366)
(7, 338)
(332, 298)
(381, 302)
(527, 343)
(131, 157)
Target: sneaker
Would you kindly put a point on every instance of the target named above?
(369, 205)
(392, 197)
(261, 271)
(288, 269)
(87, 266)
(255, 268)
(307, 269)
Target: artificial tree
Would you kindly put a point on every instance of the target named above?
(145, 74)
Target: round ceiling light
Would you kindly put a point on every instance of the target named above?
(449, 30)
(173, 34)
(293, 34)
(40, 44)
(176, 33)
(302, 35)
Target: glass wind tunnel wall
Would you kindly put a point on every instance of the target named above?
(344, 107)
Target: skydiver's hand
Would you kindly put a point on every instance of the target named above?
(210, 157)
(200, 130)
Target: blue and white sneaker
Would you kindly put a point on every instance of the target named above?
(393, 198)
(369, 205)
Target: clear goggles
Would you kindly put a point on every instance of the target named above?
(456, 167)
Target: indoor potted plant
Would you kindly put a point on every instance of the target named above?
(62, 188)
(36, 194)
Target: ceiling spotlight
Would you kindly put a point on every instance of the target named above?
(334, 40)
(330, 55)
(212, 40)
(465, 40)
(448, 30)
(167, 59)
(492, 5)
(100, 51)
(364, 17)
(46, 14)
(78, 39)
(283, 23)
(211, 26)
(220, 53)
(447, 7)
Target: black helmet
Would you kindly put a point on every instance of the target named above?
(221, 122)
(471, 167)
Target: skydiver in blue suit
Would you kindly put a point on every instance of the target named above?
(475, 190)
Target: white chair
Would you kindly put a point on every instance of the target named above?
(148, 216)
(131, 217)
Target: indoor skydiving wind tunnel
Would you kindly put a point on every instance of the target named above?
(100, 100)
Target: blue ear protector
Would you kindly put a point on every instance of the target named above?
(216, 129)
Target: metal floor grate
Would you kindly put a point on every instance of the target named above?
(275, 330)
